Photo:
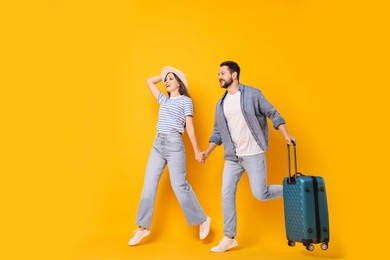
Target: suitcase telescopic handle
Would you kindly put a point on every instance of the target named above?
(290, 178)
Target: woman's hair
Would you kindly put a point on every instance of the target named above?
(182, 89)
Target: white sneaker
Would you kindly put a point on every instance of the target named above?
(224, 245)
(139, 234)
(204, 228)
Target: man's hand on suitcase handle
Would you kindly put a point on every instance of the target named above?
(290, 140)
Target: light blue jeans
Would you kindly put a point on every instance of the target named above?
(255, 167)
(168, 149)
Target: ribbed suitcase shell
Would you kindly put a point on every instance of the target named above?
(300, 211)
(305, 210)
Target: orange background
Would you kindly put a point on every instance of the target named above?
(78, 122)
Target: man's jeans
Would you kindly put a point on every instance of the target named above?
(255, 166)
(168, 149)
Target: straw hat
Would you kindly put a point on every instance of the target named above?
(178, 73)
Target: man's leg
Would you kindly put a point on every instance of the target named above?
(231, 176)
(256, 168)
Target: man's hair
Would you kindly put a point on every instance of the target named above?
(232, 66)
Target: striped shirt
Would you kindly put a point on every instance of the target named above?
(173, 112)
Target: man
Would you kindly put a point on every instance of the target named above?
(241, 126)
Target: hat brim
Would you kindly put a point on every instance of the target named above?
(178, 73)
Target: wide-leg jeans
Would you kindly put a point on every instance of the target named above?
(168, 149)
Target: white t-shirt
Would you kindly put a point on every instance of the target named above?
(241, 135)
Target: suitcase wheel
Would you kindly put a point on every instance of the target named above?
(291, 243)
(310, 247)
(324, 246)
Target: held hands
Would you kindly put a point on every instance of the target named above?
(200, 157)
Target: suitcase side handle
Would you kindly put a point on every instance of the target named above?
(292, 179)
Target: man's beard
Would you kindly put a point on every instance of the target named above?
(226, 84)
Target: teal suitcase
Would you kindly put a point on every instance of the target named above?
(305, 208)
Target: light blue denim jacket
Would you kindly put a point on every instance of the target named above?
(255, 108)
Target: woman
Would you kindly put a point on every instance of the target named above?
(175, 114)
